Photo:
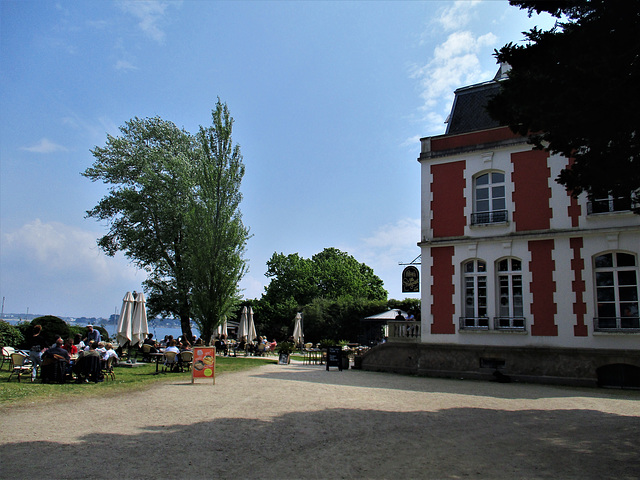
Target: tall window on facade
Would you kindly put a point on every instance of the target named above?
(510, 306)
(475, 295)
(617, 291)
(489, 199)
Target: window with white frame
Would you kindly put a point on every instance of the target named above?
(510, 304)
(489, 194)
(475, 295)
(616, 292)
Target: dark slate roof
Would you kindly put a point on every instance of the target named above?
(468, 113)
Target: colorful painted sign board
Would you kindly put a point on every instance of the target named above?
(204, 363)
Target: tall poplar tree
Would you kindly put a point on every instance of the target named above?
(216, 235)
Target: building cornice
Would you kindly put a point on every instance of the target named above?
(529, 235)
(449, 145)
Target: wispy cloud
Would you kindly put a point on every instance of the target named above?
(454, 63)
(125, 65)
(150, 16)
(458, 15)
(45, 146)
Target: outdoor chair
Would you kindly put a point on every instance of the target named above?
(6, 355)
(20, 364)
(186, 358)
(261, 350)
(88, 368)
(107, 371)
(146, 350)
(53, 368)
(170, 361)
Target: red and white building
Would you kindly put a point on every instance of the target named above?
(516, 274)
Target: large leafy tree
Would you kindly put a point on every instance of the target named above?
(296, 282)
(216, 235)
(147, 169)
(573, 90)
(172, 208)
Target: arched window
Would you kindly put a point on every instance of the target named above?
(616, 291)
(489, 199)
(510, 306)
(475, 295)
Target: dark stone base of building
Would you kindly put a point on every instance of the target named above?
(560, 366)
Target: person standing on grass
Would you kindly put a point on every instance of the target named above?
(37, 346)
(93, 335)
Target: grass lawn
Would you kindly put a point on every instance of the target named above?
(14, 393)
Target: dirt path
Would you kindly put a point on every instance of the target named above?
(298, 421)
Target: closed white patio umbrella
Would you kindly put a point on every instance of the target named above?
(222, 328)
(123, 330)
(298, 336)
(252, 327)
(139, 326)
(243, 328)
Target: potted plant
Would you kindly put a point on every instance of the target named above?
(346, 351)
(284, 351)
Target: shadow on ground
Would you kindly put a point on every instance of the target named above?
(344, 443)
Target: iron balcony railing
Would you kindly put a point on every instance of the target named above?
(616, 324)
(510, 323)
(474, 323)
(485, 218)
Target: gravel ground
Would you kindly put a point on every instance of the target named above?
(299, 421)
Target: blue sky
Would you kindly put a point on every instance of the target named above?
(329, 101)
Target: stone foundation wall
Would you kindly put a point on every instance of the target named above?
(538, 365)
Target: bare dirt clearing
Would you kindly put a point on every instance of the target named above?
(295, 421)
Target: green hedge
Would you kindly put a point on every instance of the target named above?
(10, 335)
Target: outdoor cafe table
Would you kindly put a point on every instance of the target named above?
(158, 356)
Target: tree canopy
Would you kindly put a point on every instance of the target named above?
(296, 282)
(173, 209)
(573, 90)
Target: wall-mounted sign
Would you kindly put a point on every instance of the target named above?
(410, 280)
(204, 363)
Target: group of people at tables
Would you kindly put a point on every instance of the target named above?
(225, 346)
(82, 359)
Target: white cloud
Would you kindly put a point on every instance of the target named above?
(59, 269)
(454, 63)
(45, 146)
(457, 15)
(252, 287)
(385, 248)
(125, 65)
(150, 16)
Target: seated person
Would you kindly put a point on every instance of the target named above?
(77, 341)
(151, 342)
(110, 352)
(101, 349)
(54, 363)
(173, 348)
(88, 365)
(221, 345)
(70, 347)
